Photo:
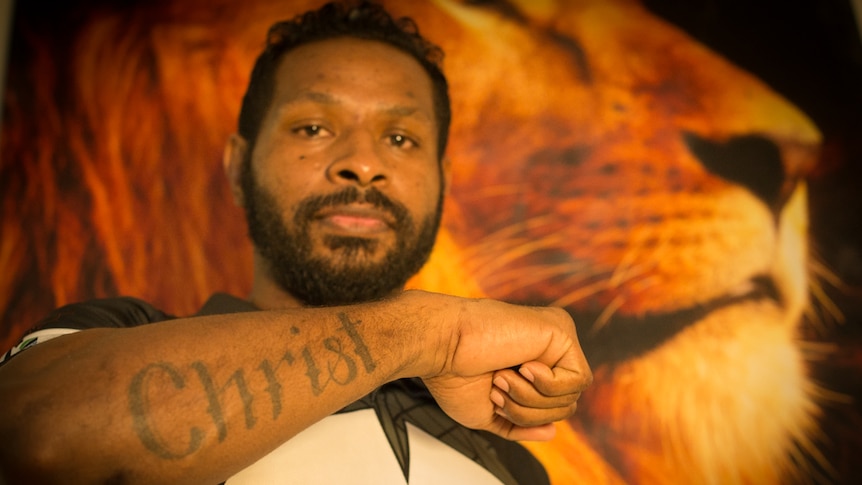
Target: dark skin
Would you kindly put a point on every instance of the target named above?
(103, 404)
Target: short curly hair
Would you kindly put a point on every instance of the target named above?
(364, 21)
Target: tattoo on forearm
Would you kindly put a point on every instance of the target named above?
(213, 397)
(334, 345)
(273, 386)
(341, 367)
(312, 372)
(359, 345)
(140, 405)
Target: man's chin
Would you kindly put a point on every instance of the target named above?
(351, 249)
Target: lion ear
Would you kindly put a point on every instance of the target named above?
(233, 159)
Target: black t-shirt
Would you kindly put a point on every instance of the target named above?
(399, 406)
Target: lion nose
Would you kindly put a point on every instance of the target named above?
(753, 161)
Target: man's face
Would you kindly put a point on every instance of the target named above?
(343, 189)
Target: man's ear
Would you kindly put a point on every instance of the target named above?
(234, 155)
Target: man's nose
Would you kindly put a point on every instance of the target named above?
(358, 160)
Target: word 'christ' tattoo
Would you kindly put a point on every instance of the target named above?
(341, 367)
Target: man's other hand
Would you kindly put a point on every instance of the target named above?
(509, 369)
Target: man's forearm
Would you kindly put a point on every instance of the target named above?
(191, 400)
(196, 400)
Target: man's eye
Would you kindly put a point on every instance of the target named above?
(401, 141)
(310, 131)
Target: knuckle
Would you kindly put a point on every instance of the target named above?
(553, 388)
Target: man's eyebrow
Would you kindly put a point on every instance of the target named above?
(405, 111)
(402, 111)
(285, 104)
(315, 96)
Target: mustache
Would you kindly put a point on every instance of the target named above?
(351, 195)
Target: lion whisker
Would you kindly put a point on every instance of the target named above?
(483, 193)
(505, 241)
(822, 307)
(580, 293)
(608, 312)
(528, 275)
(505, 235)
(518, 248)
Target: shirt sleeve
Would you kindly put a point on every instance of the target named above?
(121, 312)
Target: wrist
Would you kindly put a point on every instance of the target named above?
(428, 331)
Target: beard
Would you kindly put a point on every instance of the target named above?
(349, 275)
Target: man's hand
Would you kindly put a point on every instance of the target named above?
(509, 369)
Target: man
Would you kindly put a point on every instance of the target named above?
(329, 372)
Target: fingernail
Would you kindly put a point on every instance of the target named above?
(501, 383)
(527, 374)
(497, 398)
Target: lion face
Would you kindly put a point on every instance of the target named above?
(627, 173)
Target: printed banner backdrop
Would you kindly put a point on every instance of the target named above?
(680, 175)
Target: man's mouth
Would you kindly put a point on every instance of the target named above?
(356, 220)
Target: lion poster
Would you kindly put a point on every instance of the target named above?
(680, 176)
